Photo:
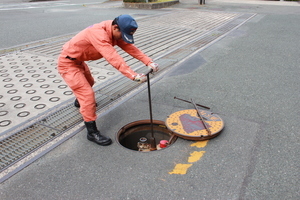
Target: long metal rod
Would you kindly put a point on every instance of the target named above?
(191, 102)
(152, 139)
(201, 118)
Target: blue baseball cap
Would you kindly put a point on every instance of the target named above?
(127, 27)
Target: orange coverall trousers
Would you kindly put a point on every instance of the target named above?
(78, 77)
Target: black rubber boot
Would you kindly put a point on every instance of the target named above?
(76, 104)
(95, 136)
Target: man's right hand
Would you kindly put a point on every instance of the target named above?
(153, 66)
(140, 78)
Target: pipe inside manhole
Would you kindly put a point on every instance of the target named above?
(137, 135)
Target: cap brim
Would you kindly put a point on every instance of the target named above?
(127, 38)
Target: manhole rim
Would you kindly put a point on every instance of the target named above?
(173, 137)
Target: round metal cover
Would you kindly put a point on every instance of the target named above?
(187, 125)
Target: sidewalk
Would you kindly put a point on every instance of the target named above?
(248, 75)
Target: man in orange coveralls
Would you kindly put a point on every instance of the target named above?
(93, 43)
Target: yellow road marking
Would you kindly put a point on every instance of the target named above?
(195, 156)
(199, 144)
(180, 169)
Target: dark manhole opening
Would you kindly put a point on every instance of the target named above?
(137, 135)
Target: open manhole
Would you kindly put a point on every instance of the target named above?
(137, 135)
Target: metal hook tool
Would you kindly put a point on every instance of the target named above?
(152, 139)
(191, 102)
(201, 118)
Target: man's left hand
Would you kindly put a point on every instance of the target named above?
(140, 78)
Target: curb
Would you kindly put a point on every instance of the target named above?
(150, 5)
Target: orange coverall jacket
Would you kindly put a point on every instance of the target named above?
(97, 42)
(93, 43)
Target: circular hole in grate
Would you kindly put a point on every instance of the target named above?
(16, 98)
(23, 114)
(27, 85)
(35, 98)
(9, 85)
(68, 93)
(45, 86)
(50, 92)
(18, 71)
(57, 81)
(52, 76)
(30, 91)
(20, 105)
(20, 75)
(5, 123)
(40, 106)
(40, 80)
(7, 80)
(12, 91)
(24, 80)
(54, 99)
(4, 75)
(35, 75)
(2, 113)
(62, 86)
